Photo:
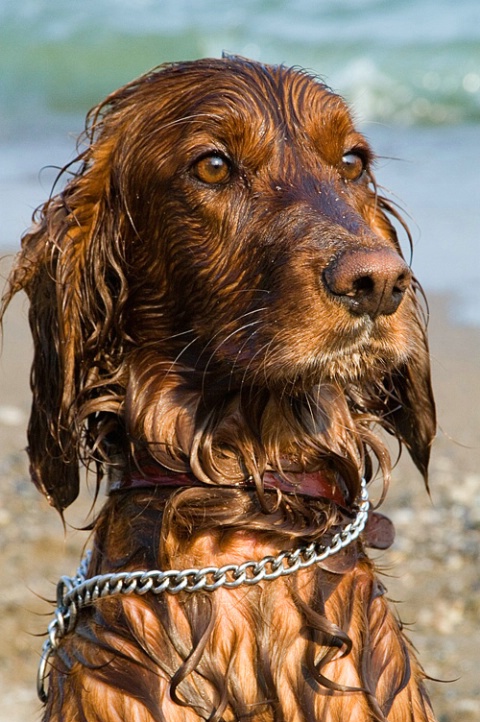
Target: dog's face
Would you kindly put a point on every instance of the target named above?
(243, 189)
(219, 262)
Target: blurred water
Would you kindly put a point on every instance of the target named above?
(411, 70)
(411, 61)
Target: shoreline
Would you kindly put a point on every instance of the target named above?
(432, 567)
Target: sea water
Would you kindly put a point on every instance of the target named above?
(409, 68)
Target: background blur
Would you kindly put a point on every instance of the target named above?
(411, 71)
(409, 68)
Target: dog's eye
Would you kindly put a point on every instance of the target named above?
(212, 169)
(352, 166)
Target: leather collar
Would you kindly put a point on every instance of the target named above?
(315, 485)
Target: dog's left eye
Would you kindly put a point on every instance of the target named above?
(352, 166)
(212, 169)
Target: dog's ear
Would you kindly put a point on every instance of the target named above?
(70, 270)
(53, 458)
(411, 407)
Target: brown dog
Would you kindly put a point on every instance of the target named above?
(222, 316)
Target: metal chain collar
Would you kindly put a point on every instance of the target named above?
(74, 593)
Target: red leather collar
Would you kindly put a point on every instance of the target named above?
(316, 484)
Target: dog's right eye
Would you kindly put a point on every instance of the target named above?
(353, 166)
(212, 169)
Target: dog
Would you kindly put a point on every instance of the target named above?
(223, 322)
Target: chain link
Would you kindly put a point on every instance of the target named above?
(74, 593)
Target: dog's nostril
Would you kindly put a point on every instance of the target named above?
(368, 282)
(362, 286)
(403, 282)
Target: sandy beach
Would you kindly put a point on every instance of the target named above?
(432, 570)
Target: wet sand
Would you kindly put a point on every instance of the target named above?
(432, 570)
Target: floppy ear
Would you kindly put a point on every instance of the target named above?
(411, 407)
(69, 267)
(53, 456)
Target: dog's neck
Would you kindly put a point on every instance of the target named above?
(315, 485)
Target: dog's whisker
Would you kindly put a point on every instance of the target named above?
(232, 334)
(179, 355)
(173, 336)
(237, 329)
(263, 352)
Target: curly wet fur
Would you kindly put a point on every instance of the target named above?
(320, 645)
(187, 321)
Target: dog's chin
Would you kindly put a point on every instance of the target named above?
(353, 366)
(295, 373)
(363, 357)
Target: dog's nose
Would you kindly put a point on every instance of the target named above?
(369, 282)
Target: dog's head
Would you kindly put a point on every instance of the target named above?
(222, 251)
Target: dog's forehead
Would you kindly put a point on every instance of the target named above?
(268, 103)
(282, 95)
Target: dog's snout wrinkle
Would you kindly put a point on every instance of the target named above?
(368, 282)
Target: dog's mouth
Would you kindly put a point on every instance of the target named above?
(362, 352)
(297, 339)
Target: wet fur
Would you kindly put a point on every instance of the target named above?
(188, 322)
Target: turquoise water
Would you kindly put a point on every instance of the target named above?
(408, 61)
(409, 68)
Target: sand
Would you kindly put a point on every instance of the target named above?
(432, 570)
